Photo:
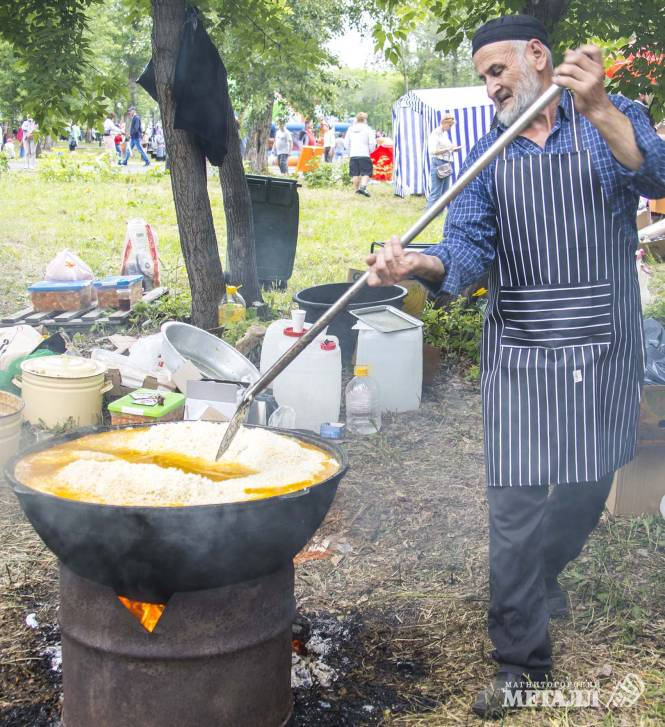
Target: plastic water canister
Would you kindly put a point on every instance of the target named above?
(312, 383)
(274, 341)
(395, 362)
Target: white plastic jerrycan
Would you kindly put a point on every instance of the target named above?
(274, 342)
(312, 383)
(395, 360)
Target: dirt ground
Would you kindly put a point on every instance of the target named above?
(392, 594)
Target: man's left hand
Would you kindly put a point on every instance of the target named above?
(582, 72)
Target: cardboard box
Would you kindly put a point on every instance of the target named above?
(639, 487)
(652, 416)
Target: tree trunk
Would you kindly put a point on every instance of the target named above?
(259, 133)
(454, 68)
(549, 12)
(188, 173)
(239, 220)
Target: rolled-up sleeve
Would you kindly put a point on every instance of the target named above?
(649, 179)
(469, 236)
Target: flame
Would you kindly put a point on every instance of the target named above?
(147, 614)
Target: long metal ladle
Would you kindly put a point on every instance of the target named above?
(301, 343)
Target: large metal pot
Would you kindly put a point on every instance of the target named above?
(60, 389)
(213, 357)
(149, 553)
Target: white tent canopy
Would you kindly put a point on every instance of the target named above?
(418, 113)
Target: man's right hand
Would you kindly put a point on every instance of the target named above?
(392, 264)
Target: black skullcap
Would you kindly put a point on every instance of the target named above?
(510, 27)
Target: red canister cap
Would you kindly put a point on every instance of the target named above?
(328, 345)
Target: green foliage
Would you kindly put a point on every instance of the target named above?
(457, 330)
(372, 91)
(4, 163)
(173, 307)
(656, 310)
(321, 174)
(68, 167)
(572, 23)
(52, 64)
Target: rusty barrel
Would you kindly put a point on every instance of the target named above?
(221, 656)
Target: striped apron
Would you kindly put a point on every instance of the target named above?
(562, 357)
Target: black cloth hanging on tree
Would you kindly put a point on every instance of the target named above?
(200, 89)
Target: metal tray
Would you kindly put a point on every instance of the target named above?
(385, 318)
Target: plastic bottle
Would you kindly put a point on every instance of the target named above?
(284, 417)
(363, 408)
(232, 308)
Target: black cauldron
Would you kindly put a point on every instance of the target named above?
(149, 553)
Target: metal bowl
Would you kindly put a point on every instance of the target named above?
(149, 553)
(214, 358)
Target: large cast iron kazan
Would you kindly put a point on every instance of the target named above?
(149, 553)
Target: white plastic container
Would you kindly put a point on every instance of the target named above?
(395, 362)
(312, 383)
(274, 343)
(363, 411)
(11, 416)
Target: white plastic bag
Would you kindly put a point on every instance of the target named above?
(66, 267)
(140, 253)
(146, 353)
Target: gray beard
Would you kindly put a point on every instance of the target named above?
(526, 92)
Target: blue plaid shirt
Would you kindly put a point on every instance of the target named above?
(471, 227)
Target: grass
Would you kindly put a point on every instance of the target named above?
(336, 229)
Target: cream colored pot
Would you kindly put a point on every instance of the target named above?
(62, 390)
(11, 411)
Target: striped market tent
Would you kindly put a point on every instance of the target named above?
(418, 113)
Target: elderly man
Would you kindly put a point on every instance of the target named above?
(553, 221)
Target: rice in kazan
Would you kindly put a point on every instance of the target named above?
(173, 465)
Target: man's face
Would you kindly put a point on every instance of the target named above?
(510, 76)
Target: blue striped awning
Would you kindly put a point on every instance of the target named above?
(417, 114)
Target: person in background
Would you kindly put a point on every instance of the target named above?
(440, 147)
(160, 145)
(328, 143)
(340, 148)
(309, 138)
(110, 130)
(135, 139)
(74, 136)
(19, 140)
(360, 142)
(283, 146)
(28, 127)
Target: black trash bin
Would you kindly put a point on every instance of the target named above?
(317, 299)
(276, 207)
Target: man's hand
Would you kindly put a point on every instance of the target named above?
(392, 264)
(582, 72)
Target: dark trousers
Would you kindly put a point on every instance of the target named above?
(283, 161)
(533, 535)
